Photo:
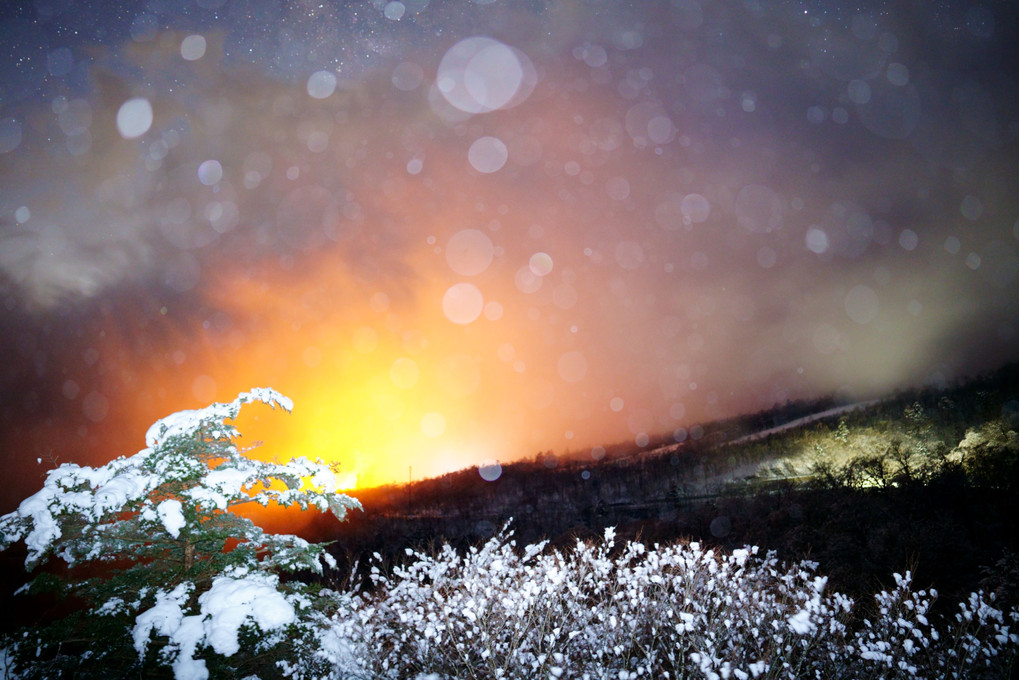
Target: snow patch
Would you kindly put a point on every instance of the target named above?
(233, 602)
(801, 624)
(171, 514)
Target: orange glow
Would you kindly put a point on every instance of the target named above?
(385, 389)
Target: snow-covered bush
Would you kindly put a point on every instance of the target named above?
(681, 611)
(158, 569)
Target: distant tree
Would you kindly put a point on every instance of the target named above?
(160, 573)
(841, 433)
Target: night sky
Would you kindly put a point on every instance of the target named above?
(456, 231)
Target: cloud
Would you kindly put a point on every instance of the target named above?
(641, 216)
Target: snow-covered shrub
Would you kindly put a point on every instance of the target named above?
(901, 640)
(160, 572)
(680, 611)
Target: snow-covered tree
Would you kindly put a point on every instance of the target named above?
(159, 572)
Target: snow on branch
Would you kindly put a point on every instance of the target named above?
(189, 472)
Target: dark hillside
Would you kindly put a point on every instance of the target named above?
(891, 486)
